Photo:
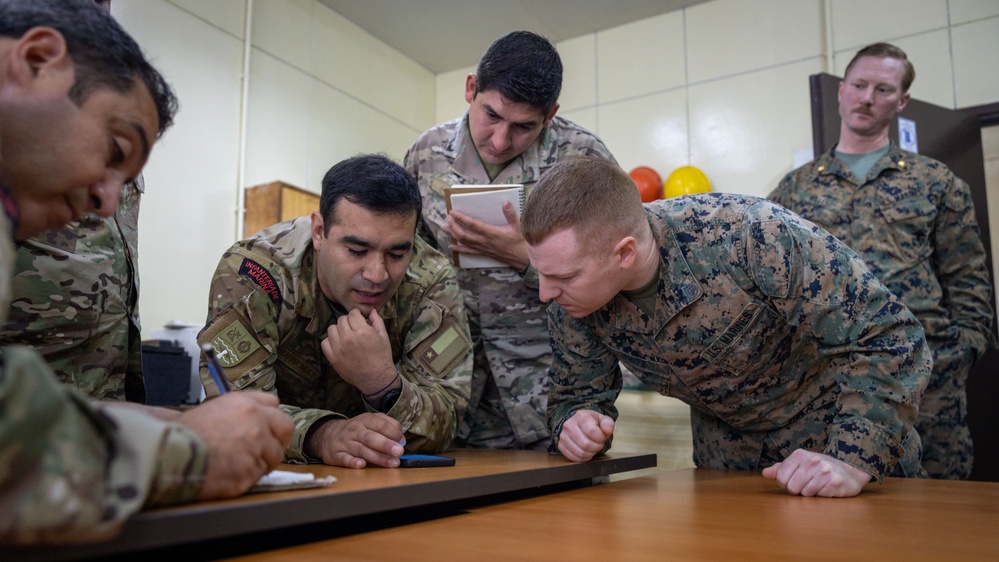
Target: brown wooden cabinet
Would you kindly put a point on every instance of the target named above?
(274, 202)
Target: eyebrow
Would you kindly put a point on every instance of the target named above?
(146, 147)
(355, 241)
(529, 123)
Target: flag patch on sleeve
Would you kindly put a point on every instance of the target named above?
(445, 348)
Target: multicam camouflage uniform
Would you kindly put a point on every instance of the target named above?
(267, 317)
(506, 316)
(914, 224)
(75, 300)
(772, 330)
(72, 469)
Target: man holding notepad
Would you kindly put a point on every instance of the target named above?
(510, 135)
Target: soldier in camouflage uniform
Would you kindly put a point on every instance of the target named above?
(80, 110)
(290, 309)
(75, 300)
(509, 135)
(789, 351)
(914, 224)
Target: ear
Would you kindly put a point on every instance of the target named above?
(839, 93)
(318, 236)
(625, 252)
(551, 114)
(903, 101)
(40, 59)
(470, 88)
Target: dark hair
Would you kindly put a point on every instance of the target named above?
(372, 181)
(523, 67)
(886, 51)
(103, 54)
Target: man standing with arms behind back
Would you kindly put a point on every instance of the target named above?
(510, 135)
(913, 222)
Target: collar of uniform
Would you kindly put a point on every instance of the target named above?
(677, 288)
(894, 159)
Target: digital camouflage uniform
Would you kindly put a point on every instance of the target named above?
(72, 469)
(772, 330)
(75, 300)
(267, 317)
(914, 224)
(506, 316)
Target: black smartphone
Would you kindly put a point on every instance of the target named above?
(420, 461)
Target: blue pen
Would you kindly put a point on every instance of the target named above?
(215, 369)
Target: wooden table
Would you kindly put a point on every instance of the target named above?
(360, 499)
(695, 515)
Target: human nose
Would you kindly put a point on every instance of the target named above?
(105, 194)
(501, 137)
(546, 289)
(375, 271)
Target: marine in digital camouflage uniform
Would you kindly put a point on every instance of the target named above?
(772, 330)
(506, 317)
(75, 300)
(267, 316)
(913, 222)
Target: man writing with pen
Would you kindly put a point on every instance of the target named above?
(351, 319)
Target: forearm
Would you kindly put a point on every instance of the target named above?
(583, 376)
(430, 409)
(881, 384)
(60, 441)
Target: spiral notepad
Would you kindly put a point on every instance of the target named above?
(483, 203)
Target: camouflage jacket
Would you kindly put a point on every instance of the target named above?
(764, 322)
(508, 327)
(72, 469)
(75, 300)
(913, 222)
(267, 317)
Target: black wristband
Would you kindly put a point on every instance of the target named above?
(382, 389)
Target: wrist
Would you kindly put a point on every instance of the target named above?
(384, 398)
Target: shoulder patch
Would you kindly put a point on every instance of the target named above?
(444, 348)
(262, 278)
(235, 345)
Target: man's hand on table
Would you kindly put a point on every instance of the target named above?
(808, 473)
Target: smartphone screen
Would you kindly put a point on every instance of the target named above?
(419, 461)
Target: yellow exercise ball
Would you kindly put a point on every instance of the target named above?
(685, 180)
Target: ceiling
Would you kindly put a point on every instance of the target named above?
(445, 35)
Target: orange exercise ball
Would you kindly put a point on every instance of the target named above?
(685, 180)
(648, 182)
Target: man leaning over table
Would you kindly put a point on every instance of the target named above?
(80, 108)
(351, 319)
(75, 298)
(793, 357)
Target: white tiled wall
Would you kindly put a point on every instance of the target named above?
(722, 86)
